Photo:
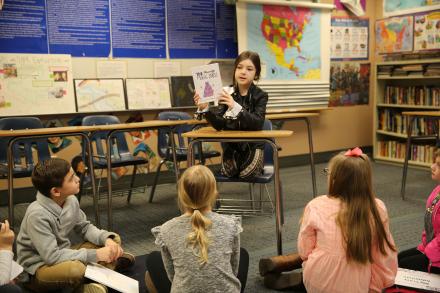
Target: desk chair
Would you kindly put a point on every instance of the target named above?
(23, 157)
(120, 154)
(164, 144)
(263, 179)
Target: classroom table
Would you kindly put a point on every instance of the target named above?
(124, 127)
(17, 135)
(209, 134)
(410, 121)
(301, 116)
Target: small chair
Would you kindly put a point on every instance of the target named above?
(164, 144)
(120, 154)
(23, 160)
(263, 179)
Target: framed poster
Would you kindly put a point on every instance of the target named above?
(349, 38)
(148, 93)
(99, 95)
(400, 7)
(394, 35)
(182, 88)
(427, 31)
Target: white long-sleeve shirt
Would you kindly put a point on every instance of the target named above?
(6, 257)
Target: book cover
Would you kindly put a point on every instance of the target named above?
(207, 82)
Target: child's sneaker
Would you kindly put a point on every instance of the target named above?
(125, 262)
(279, 264)
(94, 288)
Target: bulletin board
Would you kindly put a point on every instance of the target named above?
(34, 84)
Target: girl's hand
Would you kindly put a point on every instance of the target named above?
(6, 236)
(201, 106)
(226, 99)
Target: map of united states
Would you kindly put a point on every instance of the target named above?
(283, 29)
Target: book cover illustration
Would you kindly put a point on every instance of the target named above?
(207, 82)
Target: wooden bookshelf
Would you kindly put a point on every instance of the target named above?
(404, 86)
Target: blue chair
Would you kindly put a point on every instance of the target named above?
(120, 154)
(164, 144)
(263, 179)
(23, 159)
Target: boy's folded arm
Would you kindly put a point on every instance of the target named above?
(90, 232)
(44, 241)
(6, 257)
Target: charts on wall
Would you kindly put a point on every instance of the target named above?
(148, 93)
(349, 39)
(349, 84)
(394, 35)
(97, 95)
(36, 84)
(427, 31)
(400, 7)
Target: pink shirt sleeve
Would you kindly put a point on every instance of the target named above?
(384, 267)
(307, 234)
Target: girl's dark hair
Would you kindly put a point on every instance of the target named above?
(49, 173)
(255, 59)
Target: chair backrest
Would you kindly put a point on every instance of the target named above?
(163, 141)
(118, 146)
(268, 151)
(23, 148)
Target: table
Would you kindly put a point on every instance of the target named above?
(123, 127)
(211, 135)
(410, 121)
(305, 117)
(45, 133)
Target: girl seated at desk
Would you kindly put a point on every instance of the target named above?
(243, 109)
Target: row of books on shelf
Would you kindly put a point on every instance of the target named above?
(412, 95)
(396, 150)
(394, 121)
(409, 70)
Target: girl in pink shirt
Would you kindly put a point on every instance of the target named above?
(344, 240)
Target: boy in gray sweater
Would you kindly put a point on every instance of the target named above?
(43, 244)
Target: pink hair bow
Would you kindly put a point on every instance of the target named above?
(356, 152)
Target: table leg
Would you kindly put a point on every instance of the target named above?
(109, 183)
(407, 153)
(10, 156)
(312, 160)
(88, 144)
(279, 215)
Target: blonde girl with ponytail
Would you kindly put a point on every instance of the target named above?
(200, 250)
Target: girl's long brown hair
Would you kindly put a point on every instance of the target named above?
(359, 219)
(197, 191)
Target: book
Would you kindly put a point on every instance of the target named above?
(417, 279)
(207, 82)
(110, 278)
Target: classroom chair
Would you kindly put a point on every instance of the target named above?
(164, 144)
(265, 178)
(120, 154)
(23, 151)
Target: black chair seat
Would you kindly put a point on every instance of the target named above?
(266, 177)
(182, 155)
(120, 162)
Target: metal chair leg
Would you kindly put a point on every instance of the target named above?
(131, 183)
(153, 187)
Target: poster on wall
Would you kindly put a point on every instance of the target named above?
(97, 95)
(148, 93)
(349, 38)
(427, 31)
(32, 84)
(394, 35)
(400, 7)
(349, 84)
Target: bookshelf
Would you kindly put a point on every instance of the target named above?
(404, 86)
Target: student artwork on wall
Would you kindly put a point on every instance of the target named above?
(32, 84)
(182, 88)
(400, 7)
(427, 31)
(148, 93)
(349, 38)
(97, 95)
(349, 83)
(394, 35)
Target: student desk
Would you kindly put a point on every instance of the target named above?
(16, 135)
(211, 135)
(124, 127)
(411, 116)
(305, 117)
